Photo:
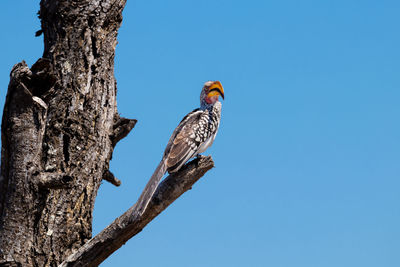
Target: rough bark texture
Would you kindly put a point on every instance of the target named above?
(59, 128)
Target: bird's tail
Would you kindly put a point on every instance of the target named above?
(150, 188)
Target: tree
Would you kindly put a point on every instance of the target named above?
(59, 128)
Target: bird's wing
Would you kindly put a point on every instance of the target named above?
(185, 142)
(151, 186)
(189, 117)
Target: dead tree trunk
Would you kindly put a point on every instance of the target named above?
(59, 128)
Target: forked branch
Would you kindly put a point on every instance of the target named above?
(96, 250)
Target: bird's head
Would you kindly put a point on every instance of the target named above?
(210, 93)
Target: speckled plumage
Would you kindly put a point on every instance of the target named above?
(194, 134)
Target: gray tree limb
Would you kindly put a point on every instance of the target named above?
(128, 225)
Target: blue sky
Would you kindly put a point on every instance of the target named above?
(307, 156)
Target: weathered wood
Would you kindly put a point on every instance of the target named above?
(128, 225)
(109, 177)
(58, 133)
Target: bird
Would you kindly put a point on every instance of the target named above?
(193, 135)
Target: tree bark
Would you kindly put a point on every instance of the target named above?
(59, 128)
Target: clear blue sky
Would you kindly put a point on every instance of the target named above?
(307, 157)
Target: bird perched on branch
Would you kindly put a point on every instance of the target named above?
(194, 134)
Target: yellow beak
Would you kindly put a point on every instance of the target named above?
(216, 89)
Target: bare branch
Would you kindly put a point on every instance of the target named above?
(122, 127)
(128, 225)
(109, 177)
